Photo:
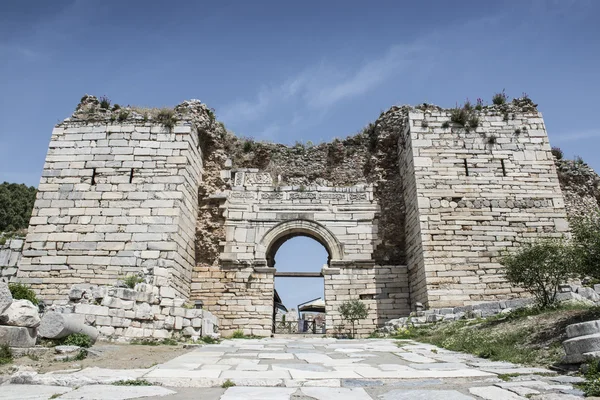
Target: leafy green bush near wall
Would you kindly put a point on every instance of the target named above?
(16, 203)
(22, 292)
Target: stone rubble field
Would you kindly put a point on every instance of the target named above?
(306, 369)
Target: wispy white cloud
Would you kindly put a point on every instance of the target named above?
(320, 87)
(15, 50)
(576, 136)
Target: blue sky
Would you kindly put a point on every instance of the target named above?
(284, 71)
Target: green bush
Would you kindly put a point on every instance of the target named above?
(500, 98)
(353, 311)
(132, 280)
(16, 203)
(227, 384)
(6, 356)
(459, 116)
(591, 387)
(558, 153)
(209, 340)
(540, 267)
(123, 114)
(77, 339)
(22, 292)
(586, 242)
(238, 334)
(104, 102)
(166, 117)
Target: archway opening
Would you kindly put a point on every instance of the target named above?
(299, 298)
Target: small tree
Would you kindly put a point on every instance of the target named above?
(540, 267)
(586, 242)
(352, 311)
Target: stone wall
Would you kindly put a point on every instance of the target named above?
(260, 214)
(580, 185)
(413, 210)
(479, 191)
(10, 256)
(143, 312)
(116, 198)
(383, 289)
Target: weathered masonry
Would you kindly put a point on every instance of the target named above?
(416, 209)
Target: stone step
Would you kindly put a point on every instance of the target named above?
(583, 329)
(576, 347)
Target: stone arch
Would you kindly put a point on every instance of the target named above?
(284, 231)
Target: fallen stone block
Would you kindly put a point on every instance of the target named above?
(577, 346)
(589, 294)
(21, 313)
(55, 326)
(573, 298)
(583, 329)
(17, 336)
(6, 298)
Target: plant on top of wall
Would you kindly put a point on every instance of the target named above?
(558, 153)
(459, 116)
(499, 98)
(479, 105)
(473, 121)
(104, 102)
(166, 117)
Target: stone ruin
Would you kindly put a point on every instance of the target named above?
(413, 211)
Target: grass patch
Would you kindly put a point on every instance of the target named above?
(227, 384)
(239, 334)
(591, 387)
(77, 339)
(133, 382)
(209, 340)
(529, 336)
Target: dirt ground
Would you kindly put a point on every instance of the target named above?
(102, 355)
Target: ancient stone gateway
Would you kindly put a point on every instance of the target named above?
(260, 217)
(415, 210)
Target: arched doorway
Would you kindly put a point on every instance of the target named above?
(298, 251)
(299, 298)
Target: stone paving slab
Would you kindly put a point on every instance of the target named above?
(313, 369)
(425, 395)
(30, 392)
(102, 392)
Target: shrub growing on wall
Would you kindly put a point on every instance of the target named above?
(540, 267)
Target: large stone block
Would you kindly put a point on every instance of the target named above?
(17, 336)
(576, 347)
(21, 313)
(583, 329)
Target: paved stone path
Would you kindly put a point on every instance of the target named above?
(307, 369)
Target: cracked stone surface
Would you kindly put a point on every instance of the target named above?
(307, 369)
